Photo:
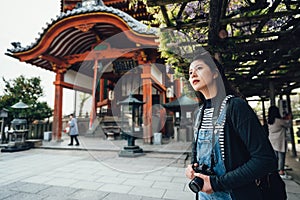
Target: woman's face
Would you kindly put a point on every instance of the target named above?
(202, 78)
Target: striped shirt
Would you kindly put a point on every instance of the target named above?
(207, 122)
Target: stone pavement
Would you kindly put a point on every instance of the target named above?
(95, 171)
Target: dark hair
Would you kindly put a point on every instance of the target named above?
(214, 64)
(273, 114)
(229, 89)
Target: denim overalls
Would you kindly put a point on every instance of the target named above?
(204, 149)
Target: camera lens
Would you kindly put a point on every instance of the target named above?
(196, 184)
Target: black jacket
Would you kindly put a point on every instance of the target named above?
(248, 152)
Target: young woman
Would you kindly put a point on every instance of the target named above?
(277, 135)
(229, 140)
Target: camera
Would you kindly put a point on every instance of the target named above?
(197, 183)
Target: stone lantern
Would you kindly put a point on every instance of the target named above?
(131, 125)
(18, 131)
(19, 123)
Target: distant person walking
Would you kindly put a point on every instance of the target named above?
(73, 130)
(277, 135)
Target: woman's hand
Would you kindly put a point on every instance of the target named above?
(189, 172)
(207, 186)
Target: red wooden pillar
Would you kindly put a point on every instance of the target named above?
(93, 108)
(57, 115)
(162, 97)
(147, 98)
(178, 88)
(101, 90)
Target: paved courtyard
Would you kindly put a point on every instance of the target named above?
(57, 171)
(61, 174)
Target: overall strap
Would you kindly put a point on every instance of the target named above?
(219, 122)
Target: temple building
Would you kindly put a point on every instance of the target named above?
(102, 48)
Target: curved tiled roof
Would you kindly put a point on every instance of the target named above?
(135, 25)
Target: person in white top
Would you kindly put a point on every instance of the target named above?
(277, 134)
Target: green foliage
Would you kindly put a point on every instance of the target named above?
(27, 90)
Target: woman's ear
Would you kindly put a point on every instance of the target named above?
(216, 74)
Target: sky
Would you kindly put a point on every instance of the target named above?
(21, 21)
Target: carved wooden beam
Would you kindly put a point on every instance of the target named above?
(59, 62)
(75, 87)
(109, 54)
